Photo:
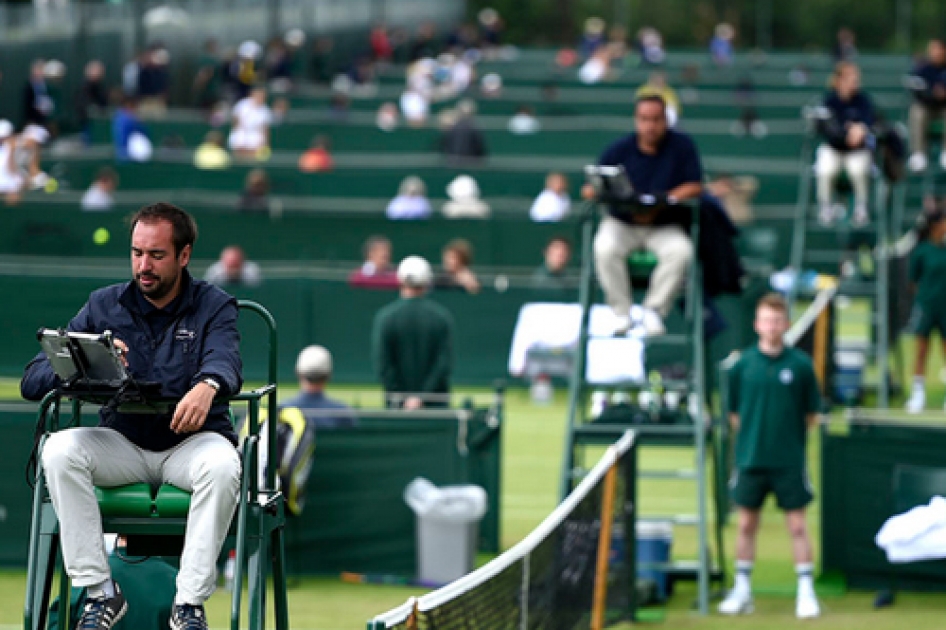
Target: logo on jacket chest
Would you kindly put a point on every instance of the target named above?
(182, 334)
(786, 376)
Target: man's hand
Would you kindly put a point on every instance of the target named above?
(122, 350)
(856, 134)
(412, 403)
(588, 192)
(191, 413)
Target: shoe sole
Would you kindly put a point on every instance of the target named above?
(120, 614)
(748, 609)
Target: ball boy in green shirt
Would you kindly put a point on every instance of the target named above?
(773, 401)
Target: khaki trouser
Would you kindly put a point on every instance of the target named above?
(828, 165)
(920, 117)
(615, 240)
(205, 464)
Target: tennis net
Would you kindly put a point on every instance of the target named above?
(572, 571)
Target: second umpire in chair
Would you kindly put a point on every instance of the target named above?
(663, 164)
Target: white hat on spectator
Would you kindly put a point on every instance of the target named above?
(314, 362)
(6, 129)
(249, 49)
(414, 271)
(463, 188)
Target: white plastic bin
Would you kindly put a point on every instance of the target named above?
(447, 528)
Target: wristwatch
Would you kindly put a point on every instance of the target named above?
(213, 383)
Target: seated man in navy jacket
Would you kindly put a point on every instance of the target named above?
(181, 333)
(662, 163)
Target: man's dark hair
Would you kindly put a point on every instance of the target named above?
(185, 229)
(651, 98)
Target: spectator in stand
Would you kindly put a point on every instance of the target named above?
(317, 159)
(465, 202)
(491, 29)
(721, 47)
(553, 202)
(927, 271)
(321, 63)
(154, 82)
(242, 72)
(252, 117)
(255, 197)
(233, 269)
(376, 272)
(651, 45)
(524, 122)
(12, 181)
(551, 275)
(424, 45)
(593, 37)
(656, 85)
(381, 49)
(208, 82)
(848, 143)
(210, 155)
(387, 118)
(38, 105)
(845, 48)
(101, 194)
(457, 256)
(411, 201)
(928, 83)
(464, 142)
(29, 153)
(131, 73)
(129, 135)
(277, 65)
(597, 68)
(91, 98)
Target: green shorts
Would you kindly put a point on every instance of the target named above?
(924, 320)
(792, 489)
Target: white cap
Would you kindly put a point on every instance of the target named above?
(414, 271)
(314, 362)
(249, 49)
(36, 133)
(6, 129)
(463, 188)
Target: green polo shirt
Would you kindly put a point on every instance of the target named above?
(773, 396)
(928, 271)
(412, 344)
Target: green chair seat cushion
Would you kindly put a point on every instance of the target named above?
(641, 263)
(139, 500)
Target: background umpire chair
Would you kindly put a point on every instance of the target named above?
(154, 519)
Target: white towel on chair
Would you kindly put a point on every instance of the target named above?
(919, 534)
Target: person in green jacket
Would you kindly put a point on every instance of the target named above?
(412, 342)
(774, 399)
(147, 583)
(928, 275)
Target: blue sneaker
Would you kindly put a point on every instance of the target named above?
(102, 613)
(188, 617)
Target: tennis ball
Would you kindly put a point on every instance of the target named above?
(51, 185)
(100, 236)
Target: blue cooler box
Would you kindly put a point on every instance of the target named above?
(654, 540)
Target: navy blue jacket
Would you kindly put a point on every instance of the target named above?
(323, 412)
(201, 341)
(676, 162)
(859, 109)
(933, 75)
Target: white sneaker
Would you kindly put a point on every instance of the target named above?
(942, 160)
(737, 603)
(807, 606)
(653, 323)
(861, 216)
(917, 401)
(826, 215)
(917, 162)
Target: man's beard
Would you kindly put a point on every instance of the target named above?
(158, 290)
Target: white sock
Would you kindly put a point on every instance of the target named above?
(919, 384)
(102, 589)
(806, 584)
(743, 583)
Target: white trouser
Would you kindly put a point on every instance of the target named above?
(615, 240)
(205, 464)
(828, 165)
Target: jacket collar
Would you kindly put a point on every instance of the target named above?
(129, 300)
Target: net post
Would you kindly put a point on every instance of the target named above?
(820, 346)
(411, 622)
(604, 549)
(524, 594)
